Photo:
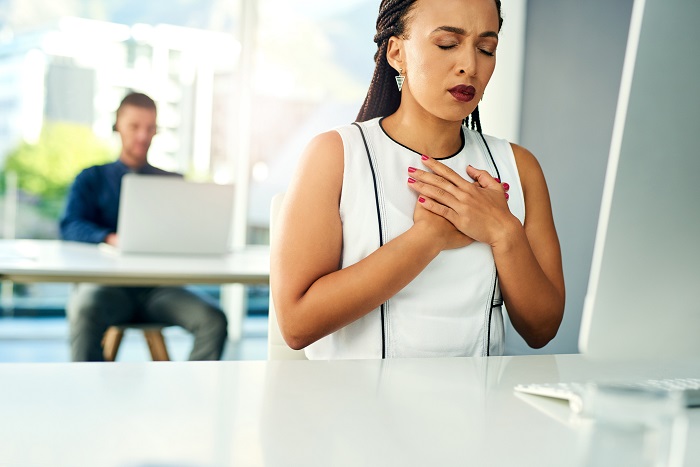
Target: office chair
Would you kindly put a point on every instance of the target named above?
(151, 331)
(277, 348)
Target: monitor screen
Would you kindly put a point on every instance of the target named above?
(643, 296)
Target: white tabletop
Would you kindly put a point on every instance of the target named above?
(59, 261)
(429, 412)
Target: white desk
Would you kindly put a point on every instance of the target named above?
(437, 412)
(59, 261)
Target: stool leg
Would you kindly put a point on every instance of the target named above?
(110, 343)
(156, 344)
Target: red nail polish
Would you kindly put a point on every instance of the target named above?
(498, 180)
(421, 199)
(507, 196)
(411, 169)
(506, 186)
(424, 157)
(411, 180)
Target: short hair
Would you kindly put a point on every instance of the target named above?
(136, 99)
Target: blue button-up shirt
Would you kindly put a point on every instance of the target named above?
(92, 209)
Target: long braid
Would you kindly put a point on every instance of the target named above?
(473, 121)
(382, 97)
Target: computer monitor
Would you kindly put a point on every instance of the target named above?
(643, 298)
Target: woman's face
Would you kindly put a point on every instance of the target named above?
(449, 55)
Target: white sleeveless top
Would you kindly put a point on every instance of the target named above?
(453, 307)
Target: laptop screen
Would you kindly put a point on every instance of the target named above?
(170, 215)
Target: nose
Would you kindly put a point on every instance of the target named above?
(468, 63)
(142, 134)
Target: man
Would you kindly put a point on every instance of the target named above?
(91, 216)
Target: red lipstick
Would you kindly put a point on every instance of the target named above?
(463, 93)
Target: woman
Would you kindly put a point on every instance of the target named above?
(399, 235)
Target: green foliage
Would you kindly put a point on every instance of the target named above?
(47, 169)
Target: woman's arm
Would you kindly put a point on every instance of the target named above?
(313, 296)
(529, 262)
(528, 258)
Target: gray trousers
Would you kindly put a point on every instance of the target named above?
(93, 308)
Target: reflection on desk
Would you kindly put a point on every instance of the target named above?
(454, 411)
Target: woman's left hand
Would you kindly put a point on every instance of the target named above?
(478, 209)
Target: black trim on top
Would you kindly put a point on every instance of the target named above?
(461, 135)
(379, 221)
(498, 174)
(488, 326)
(495, 281)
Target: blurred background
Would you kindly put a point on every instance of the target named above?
(228, 76)
(243, 85)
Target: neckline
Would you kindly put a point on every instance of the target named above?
(461, 136)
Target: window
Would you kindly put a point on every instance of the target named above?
(264, 75)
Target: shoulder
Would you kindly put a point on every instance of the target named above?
(528, 165)
(319, 173)
(327, 141)
(149, 169)
(99, 168)
(94, 172)
(524, 157)
(499, 148)
(531, 174)
(324, 153)
(324, 156)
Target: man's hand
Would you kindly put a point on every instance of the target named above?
(111, 239)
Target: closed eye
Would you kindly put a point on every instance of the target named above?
(487, 52)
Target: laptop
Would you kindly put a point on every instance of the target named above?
(643, 298)
(169, 215)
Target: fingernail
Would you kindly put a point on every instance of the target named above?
(507, 196)
(421, 199)
(411, 169)
(424, 157)
(498, 180)
(411, 180)
(506, 186)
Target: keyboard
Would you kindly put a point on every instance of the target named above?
(573, 392)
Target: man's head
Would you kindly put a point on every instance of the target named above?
(136, 125)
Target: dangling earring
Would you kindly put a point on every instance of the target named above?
(400, 78)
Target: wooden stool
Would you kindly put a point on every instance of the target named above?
(152, 332)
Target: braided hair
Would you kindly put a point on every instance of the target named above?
(382, 97)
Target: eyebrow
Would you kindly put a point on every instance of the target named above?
(463, 32)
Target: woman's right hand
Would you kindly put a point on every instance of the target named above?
(440, 229)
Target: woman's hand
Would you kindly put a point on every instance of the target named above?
(440, 228)
(478, 209)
